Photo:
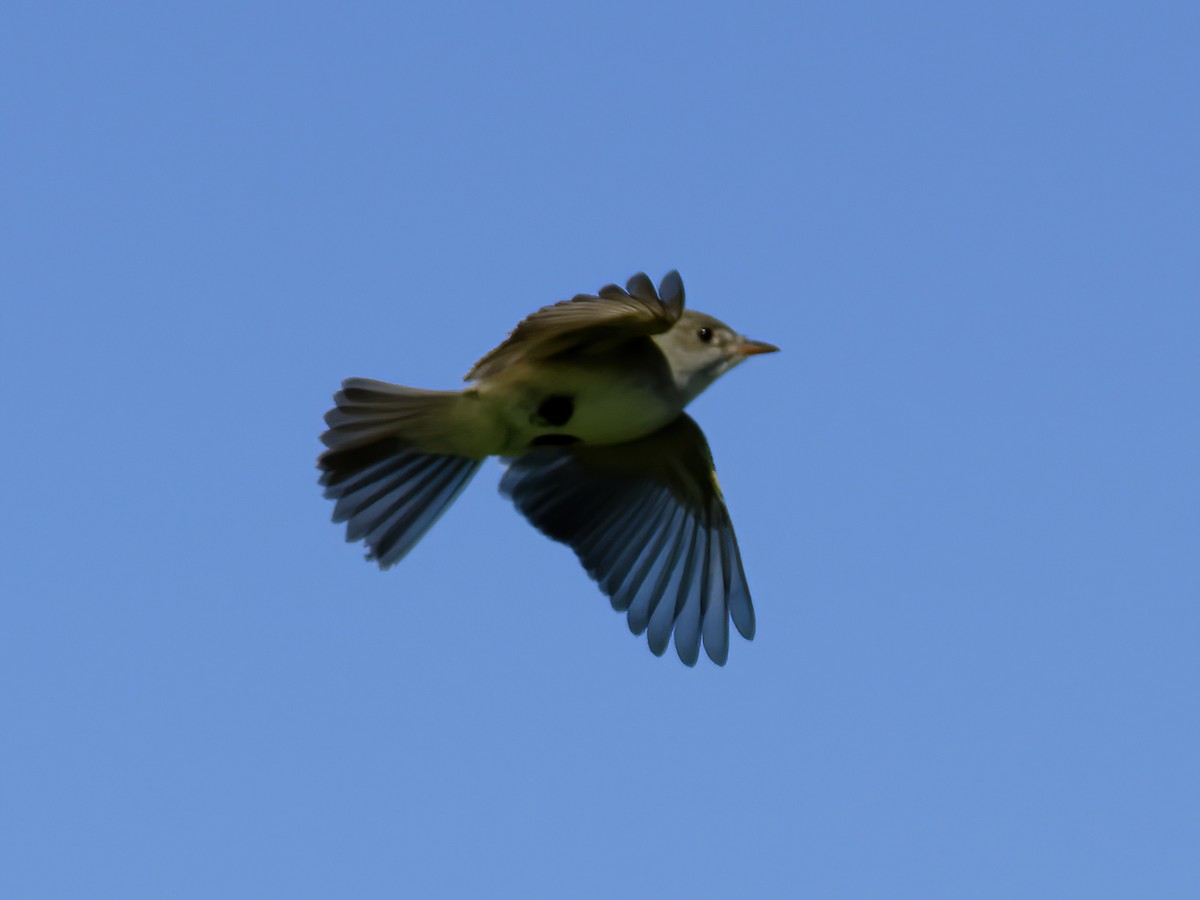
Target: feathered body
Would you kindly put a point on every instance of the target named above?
(586, 397)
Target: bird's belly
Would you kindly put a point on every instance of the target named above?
(562, 404)
(613, 414)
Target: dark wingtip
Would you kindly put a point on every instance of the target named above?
(687, 656)
(720, 656)
(339, 464)
(642, 287)
(670, 289)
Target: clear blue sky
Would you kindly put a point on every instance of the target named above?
(967, 492)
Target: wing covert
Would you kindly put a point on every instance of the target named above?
(611, 314)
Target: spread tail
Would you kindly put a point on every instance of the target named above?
(391, 466)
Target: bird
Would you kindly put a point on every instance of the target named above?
(584, 402)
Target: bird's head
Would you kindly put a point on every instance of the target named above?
(700, 349)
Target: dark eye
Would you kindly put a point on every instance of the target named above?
(705, 334)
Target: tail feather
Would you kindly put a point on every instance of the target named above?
(433, 421)
(387, 467)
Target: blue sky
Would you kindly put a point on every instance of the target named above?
(966, 492)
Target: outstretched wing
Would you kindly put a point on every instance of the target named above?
(615, 313)
(648, 522)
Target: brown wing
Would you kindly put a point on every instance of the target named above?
(637, 309)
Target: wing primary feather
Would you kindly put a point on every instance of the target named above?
(714, 610)
(642, 287)
(399, 490)
(631, 567)
(614, 527)
(613, 292)
(409, 495)
(691, 590)
(741, 609)
(435, 499)
(356, 481)
(612, 519)
(567, 514)
(390, 477)
(621, 583)
(671, 292)
(661, 609)
(612, 559)
(633, 594)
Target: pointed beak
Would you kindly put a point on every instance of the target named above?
(753, 348)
